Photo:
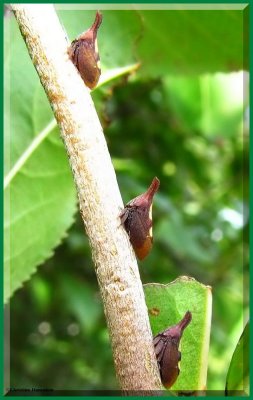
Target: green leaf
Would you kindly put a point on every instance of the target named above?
(166, 41)
(238, 374)
(39, 207)
(192, 41)
(167, 304)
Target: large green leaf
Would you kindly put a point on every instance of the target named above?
(238, 373)
(167, 304)
(192, 41)
(39, 208)
(166, 41)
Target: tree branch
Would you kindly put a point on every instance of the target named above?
(99, 197)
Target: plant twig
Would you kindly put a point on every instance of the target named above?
(99, 197)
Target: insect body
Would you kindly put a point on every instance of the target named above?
(84, 54)
(166, 345)
(137, 220)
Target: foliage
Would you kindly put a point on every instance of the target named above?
(190, 130)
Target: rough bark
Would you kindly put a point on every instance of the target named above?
(99, 197)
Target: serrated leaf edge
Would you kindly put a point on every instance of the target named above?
(44, 258)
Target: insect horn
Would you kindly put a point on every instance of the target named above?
(147, 197)
(91, 33)
(177, 330)
(137, 220)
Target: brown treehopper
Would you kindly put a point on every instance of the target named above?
(166, 345)
(137, 220)
(83, 52)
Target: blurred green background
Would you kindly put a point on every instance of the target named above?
(190, 130)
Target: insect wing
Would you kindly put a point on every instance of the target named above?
(137, 226)
(159, 343)
(169, 363)
(87, 63)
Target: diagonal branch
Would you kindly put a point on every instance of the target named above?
(99, 197)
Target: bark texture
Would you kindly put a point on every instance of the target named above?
(99, 197)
